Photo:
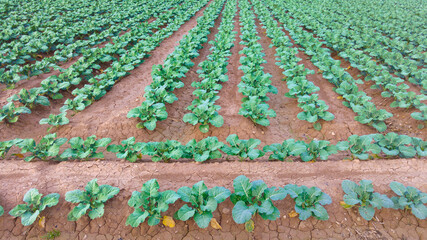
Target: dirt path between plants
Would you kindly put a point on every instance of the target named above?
(17, 178)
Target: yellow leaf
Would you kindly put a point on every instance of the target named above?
(215, 224)
(339, 97)
(345, 205)
(168, 221)
(249, 225)
(349, 67)
(42, 222)
(293, 214)
(18, 155)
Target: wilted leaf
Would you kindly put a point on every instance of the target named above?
(42, 222)
(293, 214)
(215, 224)
(168, 221)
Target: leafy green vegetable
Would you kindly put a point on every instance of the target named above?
(203, 202)
(129, 150)
(92, 199)
(393, 144)
(55, 120)
(35, 204)
(359, 146)
(322, 149)
(163, 151)
(250, 198)
(85, 149)
(242, 148)
(364, 196)
(205, 149)
(153, 203)
(288, 148)
(47, 147)
(7, 145)
(11, 113)
(149, 112)
(409, 198)
(30, 97)
(309, 201)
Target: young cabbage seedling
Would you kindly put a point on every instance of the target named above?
(85, 149)
(163, 151)
(47, 147)
(364, 196)
(153, 203)
(409, 198)
(242, 148)
(309, 201)
(149, 113)
(7, 145)
(92, 199)
(11, 113)
(30, 97)
(321, 149)
(393, 144)
(203, 202)
(421, 146)
(203, 150)
(250, 198)
(35, 204)
(55, 120)
(129, 150)
(288, 148)
(359, 146)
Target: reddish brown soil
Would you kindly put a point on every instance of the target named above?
(17, 178)
(107, 118)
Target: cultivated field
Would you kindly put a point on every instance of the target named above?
(299, 92)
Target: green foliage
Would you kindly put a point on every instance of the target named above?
(364, 196)
(7, 145)
(205, 149)
(92, 199)
(30, 97)
(242, 148)
(85, 149)
(393, 144)
(309, 201)
(153, 203)
(256, 110)
(55, 120)
(47, 147)
(321, 149)
(1, 211)
(129, 150)
(149, 112)
(359, 146)
(250, 198)
(163, 151)
(288, 148)
(35, 204)
(420, 146)
(11, 113)
(204, 112)
(203, 202)
(409, 198)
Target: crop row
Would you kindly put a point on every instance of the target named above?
(361, 147)
(346, 86)
(212, 72)
(255, 82)
(295, 74)
(145, 41)
(64, 52)
(166, 77)
(249, 199)
(391, 86)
